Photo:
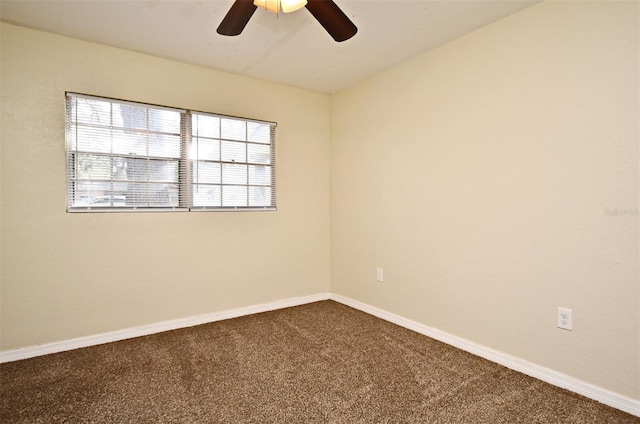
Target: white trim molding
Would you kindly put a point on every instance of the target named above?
(548, 375)
(556, 378)
(145, 330)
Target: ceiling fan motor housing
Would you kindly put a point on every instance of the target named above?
(326, 12)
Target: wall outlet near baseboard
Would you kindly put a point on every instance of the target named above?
(565, 318)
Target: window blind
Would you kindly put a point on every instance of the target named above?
(130, 156)
(233, 162)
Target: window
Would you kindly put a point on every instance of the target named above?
(131, 156)
(232, 162)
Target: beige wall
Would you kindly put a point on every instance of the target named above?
(479, 176)
(72, 275)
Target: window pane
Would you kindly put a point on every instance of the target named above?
(259, 196)
(89, 111)
(205, 149)
(233, 129)
(163, 170)
(93, 186)
(136, 169)
(135, 194)
(234, 174)
(166, 121)
(259, 153)
(205, 126)
(93, 139)
(119, 168)
(259, 175)
(234, 196)
(129, 143)
(119, 186)
(258, 133)
(233, 152)
(86, 193)
(206, 172)
(162, 195)
(164, 145)
(206, 195)
(93, 167)
(133, 117)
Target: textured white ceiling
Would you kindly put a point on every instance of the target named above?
(286, 48)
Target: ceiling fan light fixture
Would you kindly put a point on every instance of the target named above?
(274, 6)
(292, 5)
(271, 5)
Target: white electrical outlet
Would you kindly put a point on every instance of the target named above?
(379, 274)
(565, 318)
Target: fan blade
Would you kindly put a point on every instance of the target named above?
(332, 19)
(237, 17)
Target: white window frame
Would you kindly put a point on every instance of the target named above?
(250, 173)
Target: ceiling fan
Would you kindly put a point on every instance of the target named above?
(326, 12)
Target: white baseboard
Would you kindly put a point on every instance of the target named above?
(145, 330)
(590, 391)
(556, 378)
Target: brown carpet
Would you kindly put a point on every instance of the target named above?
(317, 363)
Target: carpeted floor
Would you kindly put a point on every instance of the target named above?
(317, 363)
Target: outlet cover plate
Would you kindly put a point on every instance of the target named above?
(565, 318)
